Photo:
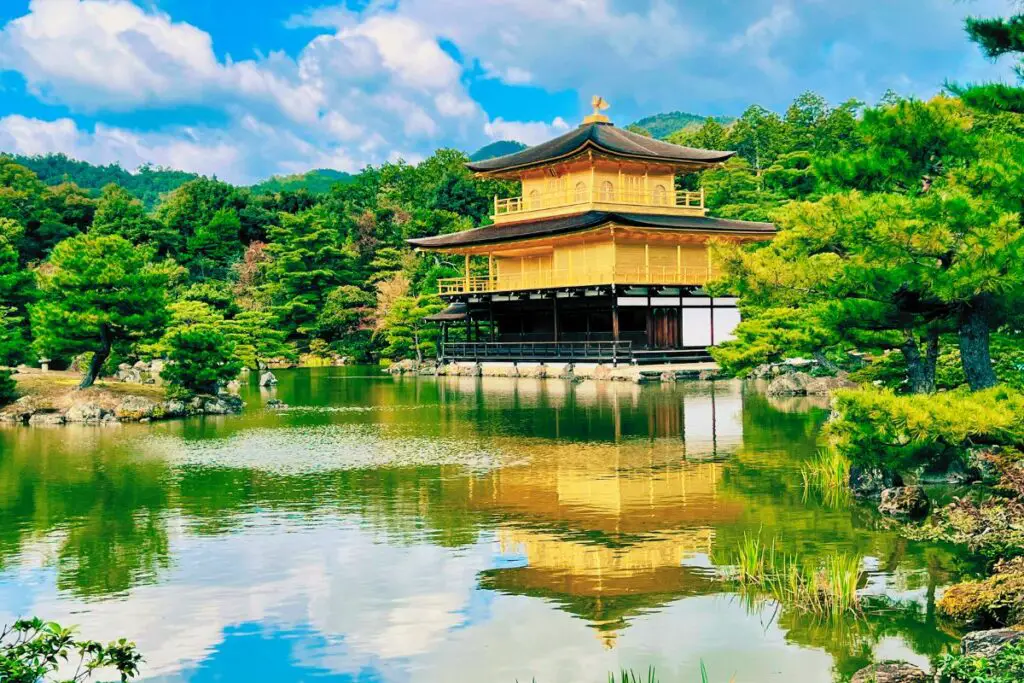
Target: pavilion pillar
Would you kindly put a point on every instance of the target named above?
(490, 316)
(615, 316)
(554, 311)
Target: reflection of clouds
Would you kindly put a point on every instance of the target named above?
(407, 610)
(386, 601)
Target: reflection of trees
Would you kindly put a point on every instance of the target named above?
(852, 642)
(108, 513)
(616, 489)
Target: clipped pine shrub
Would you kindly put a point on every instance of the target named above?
(879, 428)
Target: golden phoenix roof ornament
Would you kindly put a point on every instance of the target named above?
(599, 104)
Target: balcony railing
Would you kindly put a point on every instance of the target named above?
(549, 279)
(540, 201)
(593, 351)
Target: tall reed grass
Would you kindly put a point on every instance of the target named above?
(828, 588)
(828, 475)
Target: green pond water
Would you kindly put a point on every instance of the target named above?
(453, 529)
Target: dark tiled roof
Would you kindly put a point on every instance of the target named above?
(585, 221)
(454, 312)
(605, 137)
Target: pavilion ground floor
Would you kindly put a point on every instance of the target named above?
(617, 324)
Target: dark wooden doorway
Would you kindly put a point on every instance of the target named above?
(665, 328)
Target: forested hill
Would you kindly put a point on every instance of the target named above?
(148, 183)
(662, 125)
(317, 181)
(497, 149)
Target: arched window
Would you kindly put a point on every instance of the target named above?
(660, 195)
(580, 195)
(607, 191)
(534, 200)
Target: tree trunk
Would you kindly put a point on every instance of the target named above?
(921, 369)
(98, 359)
(974, 344)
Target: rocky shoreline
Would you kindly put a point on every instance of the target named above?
(52, 399)
(28, 411)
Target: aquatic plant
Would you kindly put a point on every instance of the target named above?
(1006, 666)
(828, 475)
(630, 676)
(828, 588)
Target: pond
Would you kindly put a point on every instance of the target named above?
(453, 529)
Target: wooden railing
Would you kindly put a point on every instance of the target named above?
(548, 279)
(551, 200)
(538, 351)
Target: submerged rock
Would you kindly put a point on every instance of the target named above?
(869, 482)
(909, 502)
(890, 672)
(989, 643)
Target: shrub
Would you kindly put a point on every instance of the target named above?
(996, 601)
(31, 649)
(1007, 666)
(8, 388)
(201, 360)
(878, 428)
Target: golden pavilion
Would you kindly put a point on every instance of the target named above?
(600, 259)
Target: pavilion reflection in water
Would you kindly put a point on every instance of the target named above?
(617, 520)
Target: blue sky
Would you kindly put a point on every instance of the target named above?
(248, 88)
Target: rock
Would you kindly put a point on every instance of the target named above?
(538, 371)
(234, 386)
(174, 408)
(869, 482)
(276, 404)
(135, 408)
(957, 474)
(709, 374)
(792, 384)
(46, 419)
(984, 463)
(909, 502)
(267, 379)
(824, 386)
(989, 643)
(890, 672)
(84, 412)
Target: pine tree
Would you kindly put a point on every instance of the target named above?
(997, 37)
(98, 291)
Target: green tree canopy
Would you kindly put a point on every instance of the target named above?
(97, 291)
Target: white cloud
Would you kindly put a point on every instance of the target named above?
(528, 132)
(375, 89)
(204, 153)
(381, 83)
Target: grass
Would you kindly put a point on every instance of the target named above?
(630, 676)
(828, 474)
(826, 589)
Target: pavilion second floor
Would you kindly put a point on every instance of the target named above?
(594, 249)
